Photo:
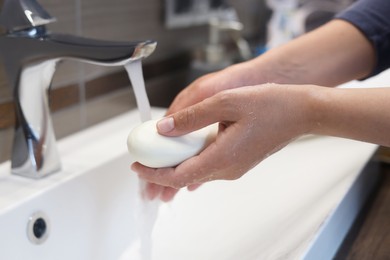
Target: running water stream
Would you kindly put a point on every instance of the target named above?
(146, 211)
(134, 70)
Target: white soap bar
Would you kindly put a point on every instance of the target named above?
(151, 149)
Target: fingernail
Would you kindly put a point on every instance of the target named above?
(165, 125)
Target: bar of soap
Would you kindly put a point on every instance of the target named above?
(151, 149)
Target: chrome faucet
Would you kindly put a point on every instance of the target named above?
(30, 55)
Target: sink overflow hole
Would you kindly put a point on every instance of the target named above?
(38, 228)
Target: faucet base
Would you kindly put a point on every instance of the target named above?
(38, 160)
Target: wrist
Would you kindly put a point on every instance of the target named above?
(310, 102)
(300, 105)
(318, 98)
(274, 67)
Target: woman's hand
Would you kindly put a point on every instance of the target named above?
(334, 60)
(202, 88)
(255, 121)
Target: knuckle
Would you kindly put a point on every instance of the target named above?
(227, 105)
(191, 117)
(186, 119)
(224, 98)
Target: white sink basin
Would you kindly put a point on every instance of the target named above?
(287, 207)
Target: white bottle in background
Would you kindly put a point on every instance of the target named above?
(291, 18)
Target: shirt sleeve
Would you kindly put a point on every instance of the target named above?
(372, 18)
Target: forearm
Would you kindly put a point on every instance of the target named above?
(333, 54)
(360, 114)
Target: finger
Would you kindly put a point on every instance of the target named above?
(153, 190)
(215, 162)
(168, 193)
(184, 99)
(160, 176)
(193, 187)
(197, 91)
(214, 109)
(166, 177)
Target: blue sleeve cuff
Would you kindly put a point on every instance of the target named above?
(372, 18)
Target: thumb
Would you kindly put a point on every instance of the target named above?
(191, 118)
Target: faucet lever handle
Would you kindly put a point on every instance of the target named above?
(19, 15)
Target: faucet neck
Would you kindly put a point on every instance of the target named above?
(17, 15)
(33, 32)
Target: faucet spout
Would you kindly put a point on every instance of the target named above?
(30, 60)
(35, 45)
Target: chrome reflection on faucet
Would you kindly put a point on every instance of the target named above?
(30, 55)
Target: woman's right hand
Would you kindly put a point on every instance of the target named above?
(206, 86)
